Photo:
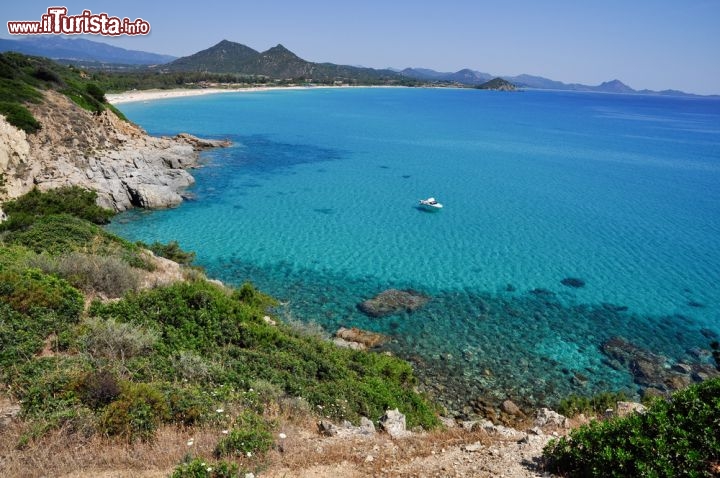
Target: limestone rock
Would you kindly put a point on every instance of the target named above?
(509, 407)
(117, 159)
(624, 409)
(548, 418)
(362, 338)
(347, 429)
(393, 301)
(393, 422)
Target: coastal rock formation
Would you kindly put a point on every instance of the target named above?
(357, 339)
(393, 301)
(652, 371)
(393, 422)
(347, 429)
(101, 152)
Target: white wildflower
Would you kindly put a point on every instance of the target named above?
(282, 436)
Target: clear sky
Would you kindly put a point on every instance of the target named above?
(654, 44)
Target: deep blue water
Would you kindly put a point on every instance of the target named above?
(315, 203)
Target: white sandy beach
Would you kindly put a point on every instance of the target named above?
(149, 95)
(156, 94)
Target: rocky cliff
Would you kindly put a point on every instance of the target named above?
(127, 167)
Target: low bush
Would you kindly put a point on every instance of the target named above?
(227, 330)
(108, 275)
(75, 201)
(62, 233)
(595, 405)
(37, 294)
(171, 251)
(251, 435)
(675, 437)
(20, 117)
(188, 405)
(198, 468)
(116, 341)
(136, 413)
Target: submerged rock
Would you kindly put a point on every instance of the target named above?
(573, 282)
(363, 339)
(655, 371)
(393, 301)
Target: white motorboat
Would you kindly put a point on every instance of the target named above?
(430, 204)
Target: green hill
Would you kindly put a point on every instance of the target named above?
(497, 84)
(276, 63)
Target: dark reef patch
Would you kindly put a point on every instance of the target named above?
(573, 282)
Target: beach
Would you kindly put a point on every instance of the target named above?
(156, 94)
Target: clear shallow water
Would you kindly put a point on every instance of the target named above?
(315, 203)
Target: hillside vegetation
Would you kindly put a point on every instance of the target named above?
(192, 354)
(23, 78)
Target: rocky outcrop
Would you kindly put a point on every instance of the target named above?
(357, 339)
(393, 301)
(654, 372)
(347, 429)
(393, 422)
(101, 152)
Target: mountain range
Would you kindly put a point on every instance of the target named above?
(280, 63)
(81, 50)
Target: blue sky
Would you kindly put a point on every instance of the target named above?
(654, 44)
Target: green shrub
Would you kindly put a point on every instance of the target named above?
(188, 405)
(96, 92)
(191, 367)
(678, 437)
(251, 434)
(171, 251)
(61, 234)
(229, 332)
(596, 405)
(34, 293)
(20, 117)
(74, 201)
(109, 275)
(136, 414)
(45, 385)
(198, 468)
(116, 341)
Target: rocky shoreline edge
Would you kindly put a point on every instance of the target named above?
(125, 166)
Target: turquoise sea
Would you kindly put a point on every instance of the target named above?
(315, 203)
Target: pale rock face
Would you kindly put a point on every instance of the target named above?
(14, 153)
(118, 160)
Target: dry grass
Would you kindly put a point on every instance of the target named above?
(301, 453)
(60, 454)
(304, 453)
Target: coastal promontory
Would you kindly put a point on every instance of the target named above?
(77, 143)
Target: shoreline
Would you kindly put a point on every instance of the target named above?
(134, 96)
